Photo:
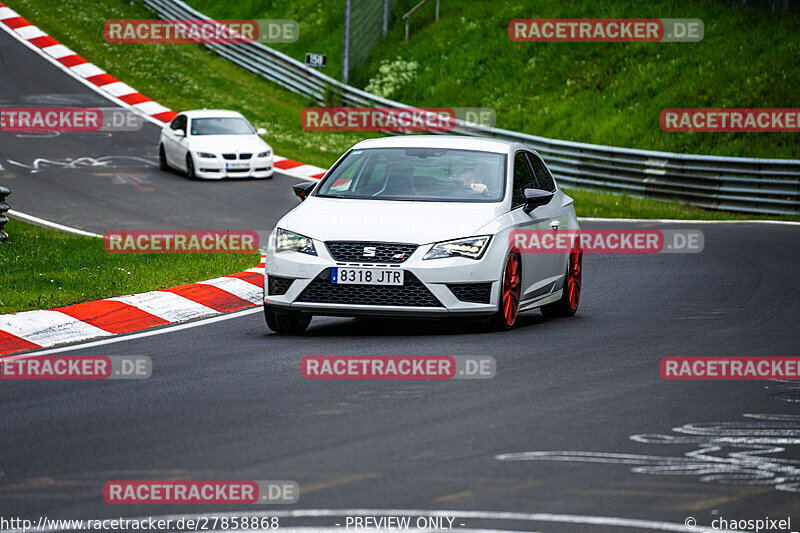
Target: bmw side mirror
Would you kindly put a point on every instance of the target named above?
(261, 131)
(535, 198)
(180, 133)
(302, 190)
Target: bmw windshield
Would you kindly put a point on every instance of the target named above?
(418, 174)
(221, 126)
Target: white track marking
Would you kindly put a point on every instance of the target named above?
(7, 13)
(611, 521)
(47, 224)
(238, 287)
(748, 453)
(58, 51)
(47, 328)
(87, 70)
(119, 88)
(149, 333)
(167, 305)
(30, 32)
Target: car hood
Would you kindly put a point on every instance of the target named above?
(337, 219)
(228, 143)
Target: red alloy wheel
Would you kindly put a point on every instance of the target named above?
(511, 289)
(574, 279)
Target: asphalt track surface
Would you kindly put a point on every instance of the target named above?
(227, 400)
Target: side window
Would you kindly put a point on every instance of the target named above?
(179, 123)
(544, 180)
(523, 179)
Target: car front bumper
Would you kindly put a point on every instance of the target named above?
(257, 167)
(432, 288)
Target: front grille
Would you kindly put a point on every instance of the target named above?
(238, 170)
(277, 285)
(411, 294)
(245, 156)
(377, 252)
(229, 156)
(479, 293)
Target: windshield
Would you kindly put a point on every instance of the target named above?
(418, 174)
(221, 126)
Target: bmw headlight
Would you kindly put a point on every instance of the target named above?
(288, 241)
(206, 155)
(472, 247)
(263, 154)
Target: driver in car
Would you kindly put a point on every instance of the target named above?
(469, 178)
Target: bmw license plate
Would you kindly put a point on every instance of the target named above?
(237, 165)
(366, 276)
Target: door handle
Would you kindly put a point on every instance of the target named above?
(554, 224)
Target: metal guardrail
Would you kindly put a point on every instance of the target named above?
(3, 209)
(763, 186)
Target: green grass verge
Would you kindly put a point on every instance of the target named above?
(184, 76)
(42, 268)
(602, 93)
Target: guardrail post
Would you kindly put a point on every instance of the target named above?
(385, 25)
(437, 10)
(346, 42)
(3, 208)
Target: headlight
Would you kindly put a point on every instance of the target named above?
(263, 154)
(472, 247)
(292, 242)
(206, 155)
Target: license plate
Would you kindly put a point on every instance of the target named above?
(237, 165)
(366, 276)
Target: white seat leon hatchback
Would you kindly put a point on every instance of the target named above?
(423, 225)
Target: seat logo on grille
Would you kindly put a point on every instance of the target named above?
(369, 251)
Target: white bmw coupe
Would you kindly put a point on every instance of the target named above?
(214, 144)
(419, 226)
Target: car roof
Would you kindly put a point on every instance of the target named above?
(439, 141)
(211, 113)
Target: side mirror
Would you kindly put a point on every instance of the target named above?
(261, 131)
(179, 133)
(302, 190)
(535, 198)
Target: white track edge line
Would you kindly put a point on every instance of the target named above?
(48, 224)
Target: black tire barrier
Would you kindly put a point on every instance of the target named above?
(3, 208)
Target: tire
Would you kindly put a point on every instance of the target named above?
(571, 296)
(162, 158)
(290, 323)
(510, 286)
(190, 167)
